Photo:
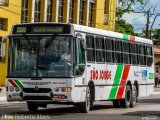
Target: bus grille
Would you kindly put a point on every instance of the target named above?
(39, 90)
(36, 98)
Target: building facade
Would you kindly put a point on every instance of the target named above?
(93, 13)
(156, 50)
(10, 14)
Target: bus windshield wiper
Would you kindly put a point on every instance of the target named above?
(50, 41)
(28, 41)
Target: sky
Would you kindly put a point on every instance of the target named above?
(139, 20)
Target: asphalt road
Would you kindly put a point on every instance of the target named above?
(147, 109)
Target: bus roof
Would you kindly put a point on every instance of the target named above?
(126, 37)
(91, 30)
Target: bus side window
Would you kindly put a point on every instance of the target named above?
(126, 54)
(134, 52)
(90, 48)
(149, 55)
(109, 50)
(100, 56)
(118, 51)
(141, 54)
(145, 58)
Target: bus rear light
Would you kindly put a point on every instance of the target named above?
(59, 96)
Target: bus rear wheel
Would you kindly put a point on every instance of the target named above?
(85, 106)
(133, 97)
(32, 107)
(125, 103)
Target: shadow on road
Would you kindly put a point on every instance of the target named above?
(102, 107)
(20, 108)
(62, 110)
(152, 101)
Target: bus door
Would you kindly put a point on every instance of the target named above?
(3, 58)
(79, 71)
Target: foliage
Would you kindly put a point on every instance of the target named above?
(127, 6)
(123, 27)
(156, 34)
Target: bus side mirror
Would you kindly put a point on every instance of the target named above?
(3, 50)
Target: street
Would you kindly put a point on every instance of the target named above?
(147, 108)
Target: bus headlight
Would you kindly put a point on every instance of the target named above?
(11, 89)
(63, 89)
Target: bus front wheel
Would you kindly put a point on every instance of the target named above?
(32, 107)
(85, 106)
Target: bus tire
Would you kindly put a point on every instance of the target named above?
(32, 107)
(133, 97)
(85, 106)
(116, 103)
(125, 103)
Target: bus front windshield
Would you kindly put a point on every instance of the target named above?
(40, 56)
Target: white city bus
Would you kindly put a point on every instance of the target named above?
(73, 64)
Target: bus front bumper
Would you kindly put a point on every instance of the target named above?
(40, 97)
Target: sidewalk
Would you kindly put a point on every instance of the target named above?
(3, 94)
(157, 90)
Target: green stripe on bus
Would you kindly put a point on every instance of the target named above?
(125, 37)
(19, 84)
(116, 81)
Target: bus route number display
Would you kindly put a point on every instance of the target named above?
(47, 29)
(21, 30)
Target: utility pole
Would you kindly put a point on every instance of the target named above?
(147, 24)
(152, 25)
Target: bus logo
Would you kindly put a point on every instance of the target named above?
(100, 75)
(137, 73)
(36, 88)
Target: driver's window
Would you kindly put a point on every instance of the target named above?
(80, 58)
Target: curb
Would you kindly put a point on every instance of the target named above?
(156, 93)
(3, 98)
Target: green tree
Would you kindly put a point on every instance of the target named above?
(123, 27)
(127, 6)
(156, 34)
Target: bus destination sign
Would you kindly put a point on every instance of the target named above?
(47, 29)
(41, 29)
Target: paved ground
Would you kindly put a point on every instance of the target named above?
(157, 89)
(148, 108)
